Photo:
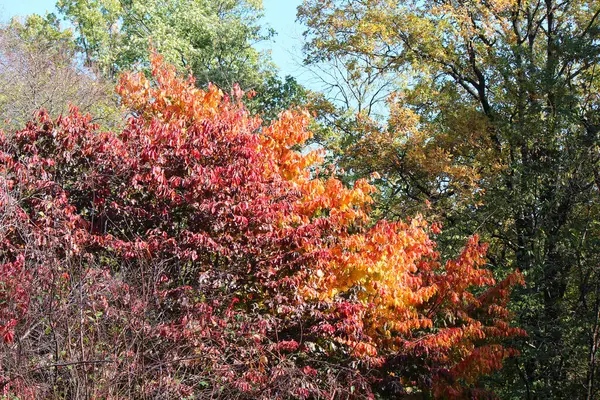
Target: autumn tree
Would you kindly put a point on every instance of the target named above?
(199, 253)
(495, 130)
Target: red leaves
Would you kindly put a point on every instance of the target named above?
(200, 248)
(7, 331)
(287, 345)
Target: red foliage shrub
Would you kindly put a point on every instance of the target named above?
(199, 254)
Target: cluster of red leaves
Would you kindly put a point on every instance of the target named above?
(199, 254)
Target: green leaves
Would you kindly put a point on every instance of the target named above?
(212, 38)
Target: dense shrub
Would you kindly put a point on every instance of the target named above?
(198, 254)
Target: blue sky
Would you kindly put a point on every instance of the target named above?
(11, 8)
(286, 47)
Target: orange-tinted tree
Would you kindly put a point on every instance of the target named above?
(200, 254)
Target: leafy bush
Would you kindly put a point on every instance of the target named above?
(198, 254)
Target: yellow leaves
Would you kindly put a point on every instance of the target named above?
(461, 155)
(402, 119)
(383, 262)
(502, 5)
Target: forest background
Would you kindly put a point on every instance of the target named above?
(481, 117)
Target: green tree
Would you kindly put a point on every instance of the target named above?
(275, 94)
(496, 127)
(213, 38)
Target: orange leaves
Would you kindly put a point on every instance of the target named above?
(301, 240)
(384, 262)
(394, 270)
(168, 97)
(465, 272)
(277, 141)
(343, 205)
(288, 130)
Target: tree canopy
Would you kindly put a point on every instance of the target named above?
(212, 37)
(495, 130)
(39, 68)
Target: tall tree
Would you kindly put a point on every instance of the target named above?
(212, 37)
(497, 130)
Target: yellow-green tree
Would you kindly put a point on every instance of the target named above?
(495, 129)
